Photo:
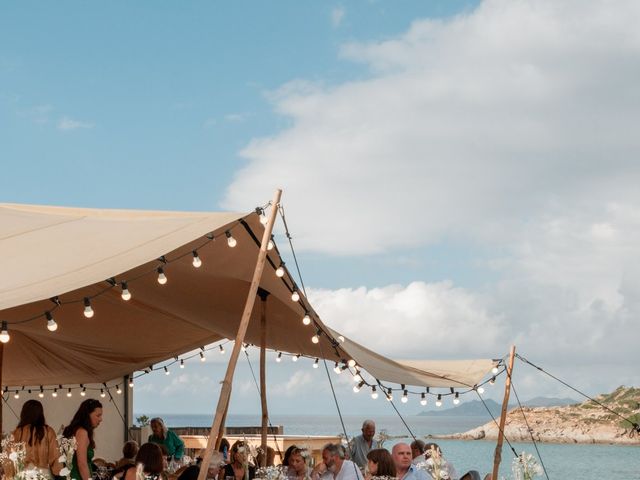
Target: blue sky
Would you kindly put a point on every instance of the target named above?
(460, 175)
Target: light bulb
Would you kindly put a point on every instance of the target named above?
(356, 389)
(374, 393)
(279, 357)
(315, 339)
(439, 401)
(162, 278)
(270, 245)
(423, 400)
(232, 242)
(126, 294)
(182, 363)
(295, 296)
(16, 395)
(166, 371)
(41, 394)
(295, 358)
(306, 320)
(83, 392)
(351, 362)
(315, 364)
(102, 394)
(118, 390)
(263, 218)
(280, 270)
(341, 338)
(389, 397)
(131, 381)
(221, 350)
(492, 381)
(357, 378)
(69, 393)
(494, 370)
(4, 334)
(88, 311)
(480, 390)
(456, 399)
(54, 393)
(52, 326)
(404, 398)
(337, 369)
(197, 263)
(202, 357)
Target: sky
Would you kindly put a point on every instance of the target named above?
(458, 176)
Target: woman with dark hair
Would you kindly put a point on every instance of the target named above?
(298, 468)
(287, 455)
(39, 439)
(380, 464)
(150, 460)
(85, 420)
(239, 460)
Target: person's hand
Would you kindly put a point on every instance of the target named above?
(318, 470)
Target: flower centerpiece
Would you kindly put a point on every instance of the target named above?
(271, 473)
(67, 447)
(435, 466)
(525, 467)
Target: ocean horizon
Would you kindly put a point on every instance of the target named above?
(592, 461)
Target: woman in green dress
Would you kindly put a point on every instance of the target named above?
(163, 436)
(86, 419)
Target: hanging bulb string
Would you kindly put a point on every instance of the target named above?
(529, 429)
(293, 252)
(635, 425)
(399, 414)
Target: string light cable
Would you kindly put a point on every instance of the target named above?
(635, 425)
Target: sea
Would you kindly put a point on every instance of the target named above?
(561, 461)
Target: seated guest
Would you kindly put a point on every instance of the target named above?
(287, 454)
(238, 457)
(433, 457)
(163, 436)
(298, 468)
(150, 460)
(405, 470)
(380, 464)
(129, 452)
(417, 451)
(192, 471)
(334, 466)
(268, 459)
(360, 445)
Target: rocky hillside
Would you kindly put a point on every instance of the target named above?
(585, 422)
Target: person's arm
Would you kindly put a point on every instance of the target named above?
(82, 446)
(53, 451)
(130, 474)
(178, 446)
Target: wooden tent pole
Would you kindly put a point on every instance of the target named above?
(221, 430)
(263, 375)
(225, 391)
(503, 415)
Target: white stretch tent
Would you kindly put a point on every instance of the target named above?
(70, 253)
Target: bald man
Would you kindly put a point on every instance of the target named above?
(405, 470)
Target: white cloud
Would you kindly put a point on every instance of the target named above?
(510, 127)
(190, 383)
(293, 386)
(39, 114)
(337, 16)
(68, 124)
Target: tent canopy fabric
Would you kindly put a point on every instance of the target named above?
(67, 254)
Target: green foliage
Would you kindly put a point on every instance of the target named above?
(142, 420)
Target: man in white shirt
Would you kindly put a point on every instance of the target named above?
(334, 466)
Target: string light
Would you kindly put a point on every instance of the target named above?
(182, 363)
(494, 370)
(357, 377)
(202, 357)
(374, 392)
(439, 401)
(351, 362)
(315, 364)
(131, 381)
(341, 338)
(481, 390)
(405, 397)
(263, 218)
(102, 394)
(118, 389)
(306, 320)
(88, 311)
(54, 393)
(456, 399)
(232, 242)
(16, 395)
(166, 371)
(197, 263)
(279, 357)
(316, 338)
(356, 388)
(69, 393)
(270, 244)
(4, 334)
(126, 294)
(337, 369)
(162, 278)
(221, 350)
(83, 392)
(280, 270)
(389, 394)
(41, 393)
(52, 326)
(295, 358)
(295, 296)
(423, 399)
(492, 381)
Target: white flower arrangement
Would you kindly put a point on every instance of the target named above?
(525, 467)
(435, 465)
(13, 454)
(67, 447)
(271, 473)
(32, 474)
